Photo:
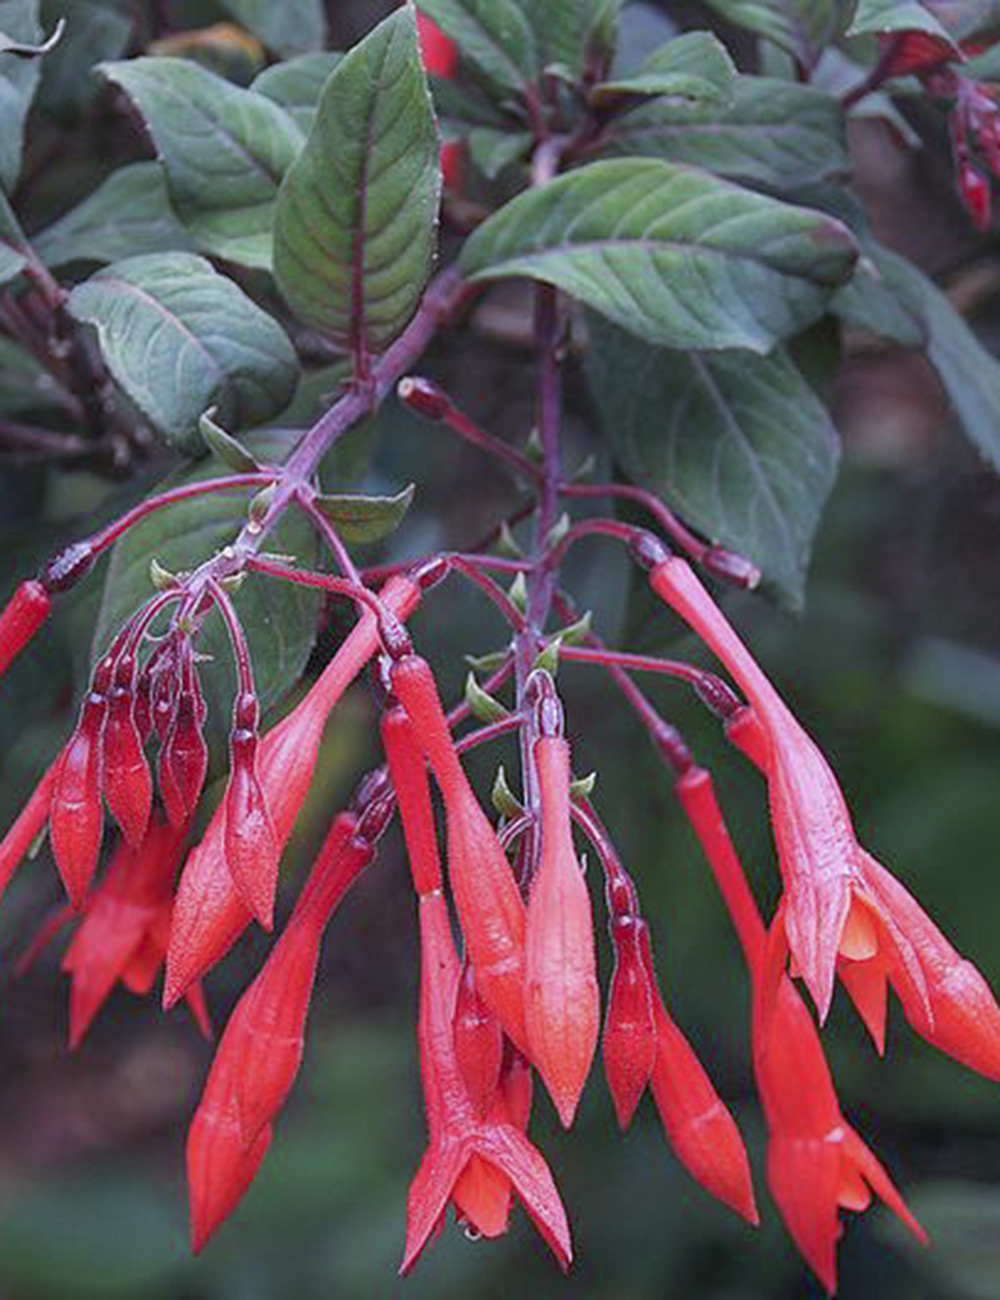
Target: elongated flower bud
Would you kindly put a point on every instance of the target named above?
(489, 903)
(77, 819)
(185, 753)
(629, 1042)
(478, 1042)
(24, 614)
(128, 783)
(250, 842)
(266, 1032)
(209, 914)
(220, 1167)
(563, 1008)
(30, 823)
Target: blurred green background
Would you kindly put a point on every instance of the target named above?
(894, 667)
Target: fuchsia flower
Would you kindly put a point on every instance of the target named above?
(459, 1136)
(210, 914)
(489, 903)
(261, 1050)
(563, 1002)
(816, 1163)
(837, 909)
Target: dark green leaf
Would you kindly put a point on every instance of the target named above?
(897, 16)
(279, 617)
(224, 150)
(287, 27)
(128, 213)
(695, 67)
(868, 303)
(178, 337)
(356, 220)
(567, 31)
(365, 518)
(94, 32)
(296, 85)
(740, 445)
(774, 132)
(494, 36)
(643, 27)
(18, 83)
(802, 27)
(672, 254)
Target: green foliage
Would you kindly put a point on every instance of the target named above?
(356, 221)
(178, 337)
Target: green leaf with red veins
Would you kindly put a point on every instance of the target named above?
(739, 445)
(127, 214)
(770, 131)
(672, 254)
(695, 67)
(179, 338)
(290, 27)
(224, 150)
(18, 82)
(355, 226)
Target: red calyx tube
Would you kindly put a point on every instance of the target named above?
(24, 614)
(251, 845)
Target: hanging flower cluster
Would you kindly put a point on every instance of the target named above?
(522, 998)
(156, 878)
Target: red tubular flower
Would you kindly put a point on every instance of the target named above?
(266, 1033)
(409, 779)
(457, 1134)
(184, 757)
(220, 1167)
(128, 783)
(629, 1042)
(250, 842)
(889, 939)
(76, 823)
(816, 1164)
(209, 914)
(121, 935)
(22, 617)
(563, 1002)
(30, 823)
(489, 903)
(700, 1129)
(827, 910)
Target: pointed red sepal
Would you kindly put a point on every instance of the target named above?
(915, 52)
(76, 823)
(121, 923)
(457, 1133)
(563, 1005)
(440, 54)
(478, 1043)
(250, 842)
(220, 1167)
(629, 1042)
(184, 758)
(29, 825)
(128, 782)
(22, 617)
(488, 900)
(198, 1005)
(208, 917)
